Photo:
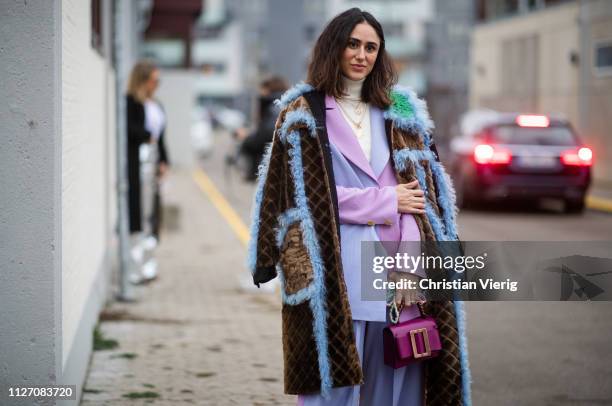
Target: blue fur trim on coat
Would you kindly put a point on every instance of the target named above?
(445, 229)
(446, 197)
(414, 155)
(466, 375)
(409, 113)
(436, 224)
(292, 94)
(298, 297)
(284, 221)
(317, 301)
(298, 116)
(262, 174)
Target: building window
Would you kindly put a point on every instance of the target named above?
(165, 52)
(213, 68)
(96, 26)
(603, 57)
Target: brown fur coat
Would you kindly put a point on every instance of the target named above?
(295, 235)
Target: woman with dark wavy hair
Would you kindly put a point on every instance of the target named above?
(352, 160)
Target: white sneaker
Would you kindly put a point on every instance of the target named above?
(149, 270)
(135, 279)
(149, 243)
(137, 253)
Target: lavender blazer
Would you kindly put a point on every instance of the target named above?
(367, 204)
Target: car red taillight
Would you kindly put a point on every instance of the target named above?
(486, 154)
(581, 157)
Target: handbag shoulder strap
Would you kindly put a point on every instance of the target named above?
(394, 312)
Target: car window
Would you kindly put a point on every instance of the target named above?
(513, 134)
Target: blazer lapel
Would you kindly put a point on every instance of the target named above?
(380, 146)
(341, 134)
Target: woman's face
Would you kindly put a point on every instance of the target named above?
(360, 53)
(152, 83)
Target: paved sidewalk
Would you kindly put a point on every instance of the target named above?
(193, 337)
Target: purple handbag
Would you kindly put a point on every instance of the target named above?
(411, 341)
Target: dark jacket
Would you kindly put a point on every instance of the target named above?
(256, 142)
(136, 135)
(254, 145)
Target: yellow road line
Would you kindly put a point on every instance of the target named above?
(226, 210)
(599, 203)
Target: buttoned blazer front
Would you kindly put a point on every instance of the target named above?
(367, 208)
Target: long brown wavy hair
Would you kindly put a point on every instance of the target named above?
(324, 72)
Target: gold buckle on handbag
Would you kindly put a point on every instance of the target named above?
(413, 334)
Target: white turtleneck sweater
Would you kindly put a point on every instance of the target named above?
(348, 104)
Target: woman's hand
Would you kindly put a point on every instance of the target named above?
(410, 199)
(241, 133)
(163, 169)
(406, 296)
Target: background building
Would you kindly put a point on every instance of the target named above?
(548, 57)
(447, 65)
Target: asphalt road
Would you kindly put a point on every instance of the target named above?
(539, 353)
(521, 353)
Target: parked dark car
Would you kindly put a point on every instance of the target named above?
(507, 155)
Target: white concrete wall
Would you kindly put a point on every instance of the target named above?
(557, 34)
(30, 219)
(598, 93)
(88, 174)
(177, 93)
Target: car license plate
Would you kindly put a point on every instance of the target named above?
(538, 161)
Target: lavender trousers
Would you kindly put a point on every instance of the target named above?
(384, 386)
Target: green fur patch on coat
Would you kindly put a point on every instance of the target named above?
(400, 105)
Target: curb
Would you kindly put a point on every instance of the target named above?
(599, 203)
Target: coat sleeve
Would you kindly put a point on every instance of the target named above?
(268, 204)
